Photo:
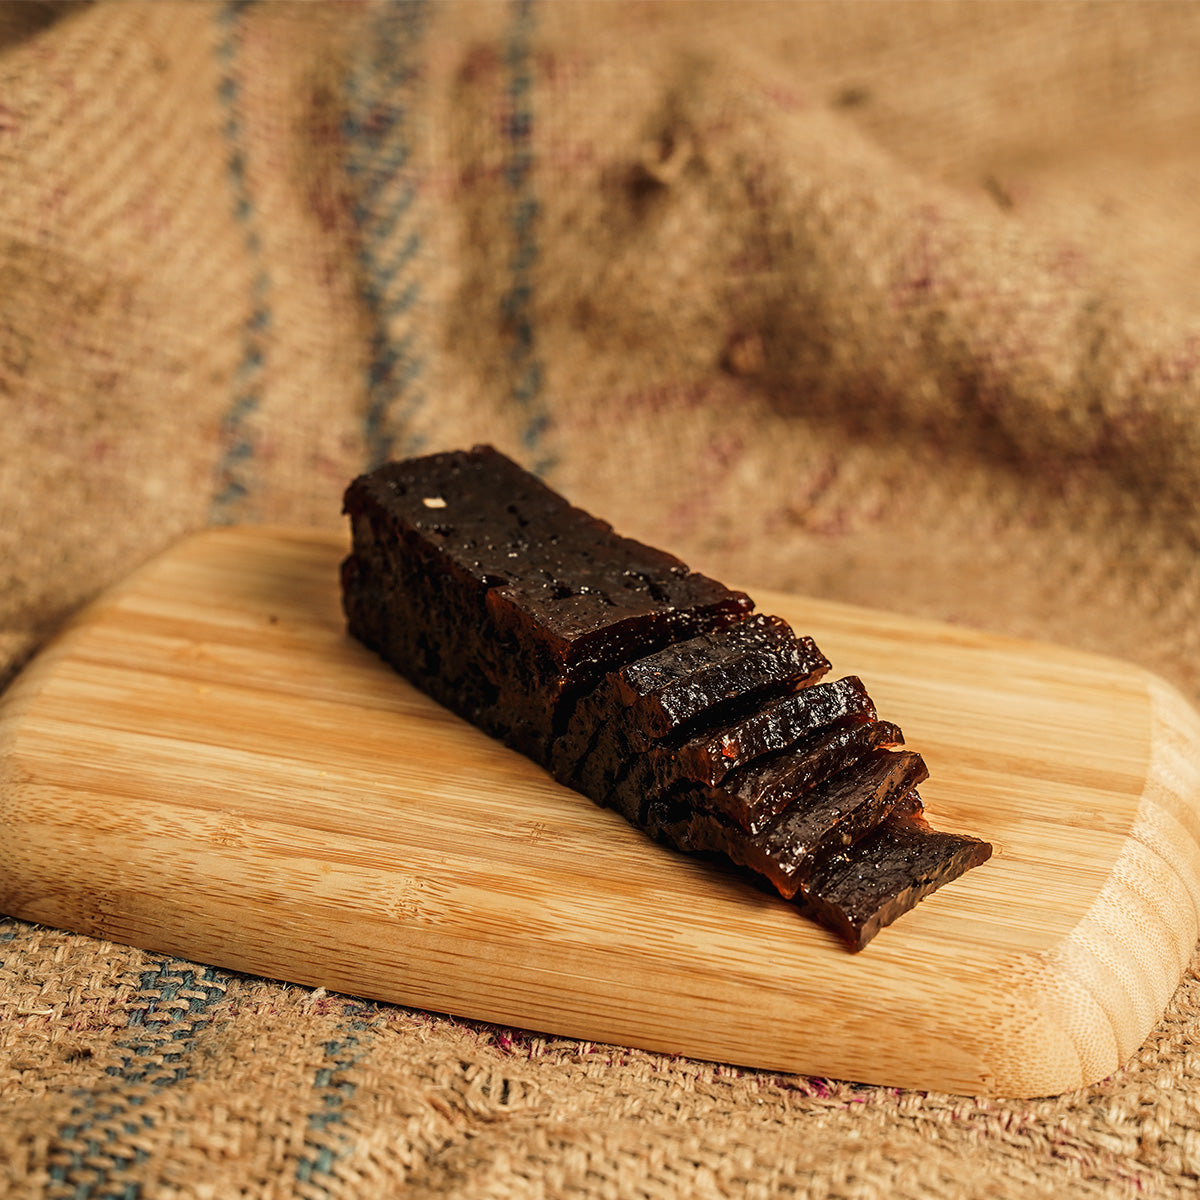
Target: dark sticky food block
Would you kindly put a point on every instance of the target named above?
(648, 686)
(667, 691)
(501, 598)
(857, 892)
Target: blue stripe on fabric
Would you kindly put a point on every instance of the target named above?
(7, 935)
(102, 1118)
(335, 1092)
(233, 482)
(516, 305)
(377, 127)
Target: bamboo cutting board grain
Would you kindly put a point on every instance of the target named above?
(204, 764)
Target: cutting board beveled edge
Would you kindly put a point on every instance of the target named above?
(283, 804)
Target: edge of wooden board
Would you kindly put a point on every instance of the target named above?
(1062, 1006)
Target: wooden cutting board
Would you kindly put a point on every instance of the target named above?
(204, 764)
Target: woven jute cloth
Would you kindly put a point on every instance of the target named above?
(896, 304)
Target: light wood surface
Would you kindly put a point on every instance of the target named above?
(204, 764)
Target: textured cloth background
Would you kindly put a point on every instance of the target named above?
(892, 303)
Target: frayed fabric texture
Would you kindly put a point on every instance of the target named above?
(890, 303)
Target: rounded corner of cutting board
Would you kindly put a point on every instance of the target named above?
(1006, 982)
(1073, 1013)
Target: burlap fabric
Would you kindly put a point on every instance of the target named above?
(890, 303)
